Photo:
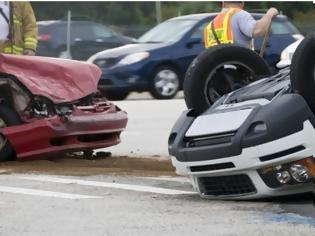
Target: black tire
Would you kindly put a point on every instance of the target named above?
(10, 118)
(249, 66)
(164, 83)
(116, 96)
(302, 72)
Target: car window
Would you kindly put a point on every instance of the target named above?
(198, 33)
(282, 27)
(168, 31)
(82, 31)
(101, 31)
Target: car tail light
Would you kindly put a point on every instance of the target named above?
(44, 37)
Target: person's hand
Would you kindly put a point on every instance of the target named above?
(29, 52)
(272, 12)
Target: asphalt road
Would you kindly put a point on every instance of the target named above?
(117, 201)
(149, 124)
(130, 205)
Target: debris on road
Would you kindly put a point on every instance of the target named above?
(116, 165)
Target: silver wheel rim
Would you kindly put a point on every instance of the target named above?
(166, 82)
(211, 94)
(3, 140)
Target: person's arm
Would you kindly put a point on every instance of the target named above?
(262, 24)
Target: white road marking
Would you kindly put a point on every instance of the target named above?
(138, 188)
(43, 193)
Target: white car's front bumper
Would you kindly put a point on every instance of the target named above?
(249, 162)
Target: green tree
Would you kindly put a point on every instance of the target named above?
(141, 15)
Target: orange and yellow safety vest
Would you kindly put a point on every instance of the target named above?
(219, 30)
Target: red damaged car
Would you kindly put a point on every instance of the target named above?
(50, 105)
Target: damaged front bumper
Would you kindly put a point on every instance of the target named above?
(85, 128)
(252, 174)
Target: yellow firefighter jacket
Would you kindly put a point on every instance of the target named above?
(23, 29)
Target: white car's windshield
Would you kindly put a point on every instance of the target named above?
(168, 31)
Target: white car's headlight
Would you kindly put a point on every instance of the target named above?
(133, 58)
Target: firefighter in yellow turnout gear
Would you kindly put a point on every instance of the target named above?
(18, 28)
(236, 26)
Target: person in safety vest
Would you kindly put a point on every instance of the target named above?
(234, 25)
(18, 29)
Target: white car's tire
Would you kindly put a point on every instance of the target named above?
(220, 70)
(302, 73)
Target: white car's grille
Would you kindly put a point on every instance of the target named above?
(226, 185)
(209, 139)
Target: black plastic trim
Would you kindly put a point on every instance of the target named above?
(219, 166)
(280, 118)
(209, 139)
(283, 116)
(282, 153)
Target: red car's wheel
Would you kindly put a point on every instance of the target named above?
(8, 117)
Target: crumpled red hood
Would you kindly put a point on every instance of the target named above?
(60, 80)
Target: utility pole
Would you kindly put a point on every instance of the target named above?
(68, 50)
(158, 12)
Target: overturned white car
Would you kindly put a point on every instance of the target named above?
(287, 54)
(258, 141)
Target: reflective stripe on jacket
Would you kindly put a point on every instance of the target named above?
(222, 28)
(23, 28)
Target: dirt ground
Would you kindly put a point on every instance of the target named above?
(82, 166)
